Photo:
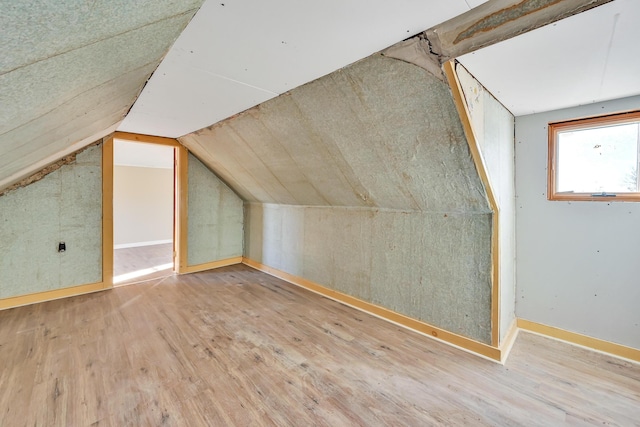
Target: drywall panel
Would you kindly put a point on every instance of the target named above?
(430, 266)
(577, 265)
(493, 127)
(66, 205)
(215, 217)
(379, 133)
(142, 204)
(236, 54)
(577, 69)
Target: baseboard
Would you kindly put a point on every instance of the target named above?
(139, 244)
(591, 343)
(464, 343)
(37, 297)
(211, 265)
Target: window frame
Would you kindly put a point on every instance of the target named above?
(585, 123)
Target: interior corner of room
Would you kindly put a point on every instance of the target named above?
(403, 175)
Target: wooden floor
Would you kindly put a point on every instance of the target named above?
(139, 264)
(238, 347)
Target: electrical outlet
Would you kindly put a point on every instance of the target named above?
(62, 246)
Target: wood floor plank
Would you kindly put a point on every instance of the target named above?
(237, 347)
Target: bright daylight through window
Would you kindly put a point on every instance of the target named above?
(595, 158)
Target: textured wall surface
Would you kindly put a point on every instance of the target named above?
(362, 181)
(429, 266)
(215, 217)
(66, 205)
(577, 263)
(493, 127)
(380, 133)
(71, 70)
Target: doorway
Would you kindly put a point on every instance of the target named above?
(143, 211)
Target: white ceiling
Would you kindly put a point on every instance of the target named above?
(590, 57)
(236, 54)
(127, 153)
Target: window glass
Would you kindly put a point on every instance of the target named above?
(595, 158)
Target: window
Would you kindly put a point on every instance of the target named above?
(595, 158)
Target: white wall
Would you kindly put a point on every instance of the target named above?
(142, 205)
(493, 127)
(577, 266)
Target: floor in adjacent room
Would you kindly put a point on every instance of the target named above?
(138, 264)
(235, 346)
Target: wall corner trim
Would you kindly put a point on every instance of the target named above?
(51, 295)
(476, 154)
(509, 339)
(591, 343)
(107, 212)
(211, 265)
(450, 338)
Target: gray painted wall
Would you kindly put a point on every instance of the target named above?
(577, 266)
(66, 205)
(493, 128)
(215, 217)
(362, 181)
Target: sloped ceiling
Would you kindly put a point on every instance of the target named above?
(380, 133)
(589, 57)
(236, 54)
(70, 71)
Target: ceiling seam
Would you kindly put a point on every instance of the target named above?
(606, 58)
(235, 81)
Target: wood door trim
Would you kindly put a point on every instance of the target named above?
(476, 154)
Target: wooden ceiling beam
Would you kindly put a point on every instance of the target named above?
(498, 20)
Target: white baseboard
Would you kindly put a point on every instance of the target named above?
(138, 244)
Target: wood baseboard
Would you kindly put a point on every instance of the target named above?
(37, 297)
(211, 265)
(464, 343)
(597, 344)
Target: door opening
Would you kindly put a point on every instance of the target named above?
(143, 211)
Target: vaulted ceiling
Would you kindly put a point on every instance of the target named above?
(71, 71)
(589, 57)
(237, 54)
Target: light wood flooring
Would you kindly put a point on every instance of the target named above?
(237, 347)
(130, 263)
